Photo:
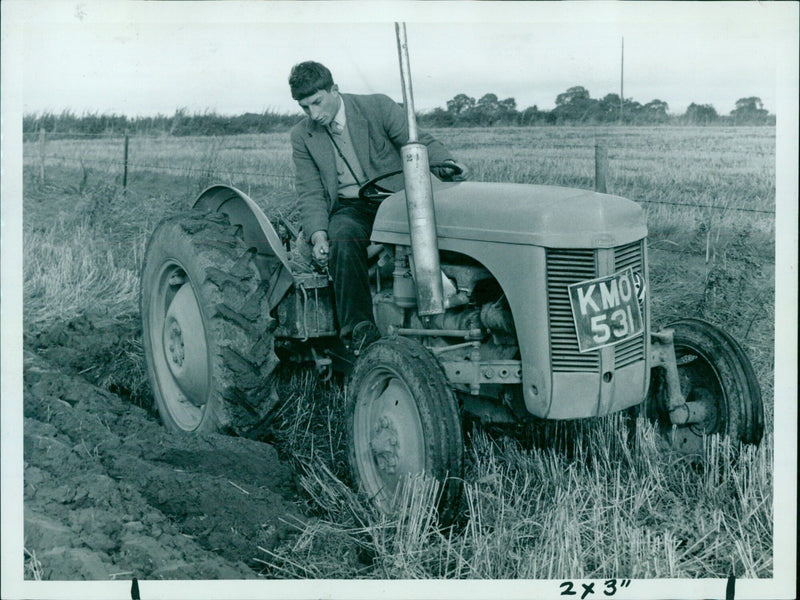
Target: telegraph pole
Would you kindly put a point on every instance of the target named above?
(621, 79)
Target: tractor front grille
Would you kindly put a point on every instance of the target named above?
(565, 267)
(632, 350)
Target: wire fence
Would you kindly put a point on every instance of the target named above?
(134, 166)
(43, 152)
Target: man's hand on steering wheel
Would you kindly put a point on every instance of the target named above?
(450, 170)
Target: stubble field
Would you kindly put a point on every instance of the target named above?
(590, 499)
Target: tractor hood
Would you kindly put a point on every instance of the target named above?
(540, 215)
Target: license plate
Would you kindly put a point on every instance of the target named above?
(606, 310)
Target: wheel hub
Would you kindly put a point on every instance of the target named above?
(383, 444)
(174, 344)
(711, 421)
(184, 346)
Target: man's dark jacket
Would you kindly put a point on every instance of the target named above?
(378, 127)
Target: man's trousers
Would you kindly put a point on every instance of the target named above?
(349, 228)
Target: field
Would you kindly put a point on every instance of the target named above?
(589, 499)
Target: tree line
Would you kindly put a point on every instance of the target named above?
(179, 124)
(574, 106)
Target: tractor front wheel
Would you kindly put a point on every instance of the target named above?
(206, 329)
(715, 371)
(403, 421)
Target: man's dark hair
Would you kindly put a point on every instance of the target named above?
(307, 78)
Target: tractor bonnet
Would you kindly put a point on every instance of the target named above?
(540, 215)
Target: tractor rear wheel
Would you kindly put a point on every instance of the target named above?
(713, 369)
(403, 420)
(206, 327)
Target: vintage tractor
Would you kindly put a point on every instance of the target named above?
(495, 300)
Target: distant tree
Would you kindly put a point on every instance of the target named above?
(632, 111)
(609, 107)
(577, 93)
(701, 114)
(438, 118)
(749, 111)
(531, 116)
(576, 105)
(656, 111)
(753, 103)
(508, 105)
(487, 109)
(509, 115)
(488, 100)
(460, 104)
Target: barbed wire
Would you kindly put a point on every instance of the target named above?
(224, 171)
(722, 208)
(149, 167)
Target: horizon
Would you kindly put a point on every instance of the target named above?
(298, 113)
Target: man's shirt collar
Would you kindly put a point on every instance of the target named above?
(340, 120)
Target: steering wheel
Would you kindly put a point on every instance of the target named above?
(375, 193)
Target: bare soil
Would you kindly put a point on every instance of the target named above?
(110, 493)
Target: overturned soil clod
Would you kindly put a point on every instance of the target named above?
(109, 493)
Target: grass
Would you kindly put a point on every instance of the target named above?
(33, 566)
(709, 173)
(676, 172)
(62, 280)
(582, 499)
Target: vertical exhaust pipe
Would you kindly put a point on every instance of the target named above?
(419, 199)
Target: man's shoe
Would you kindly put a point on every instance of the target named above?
(364, 334)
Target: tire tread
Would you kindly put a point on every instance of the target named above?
(234, 301)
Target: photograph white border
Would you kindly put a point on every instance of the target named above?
(784, 559)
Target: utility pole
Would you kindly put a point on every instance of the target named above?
(621, 79)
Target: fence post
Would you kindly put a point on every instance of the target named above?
(41, 153)
(600, 168)
(125, 164)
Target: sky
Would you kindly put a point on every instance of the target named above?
(232, 57)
